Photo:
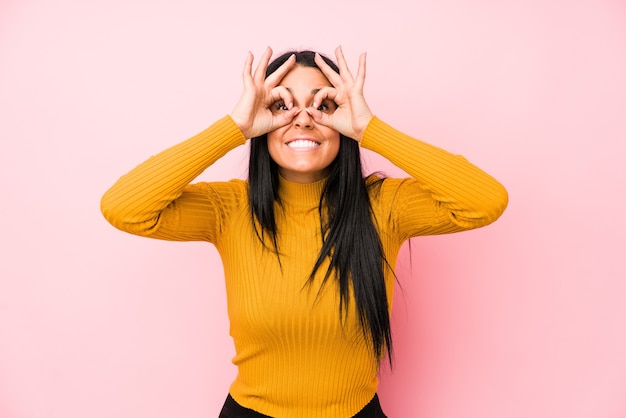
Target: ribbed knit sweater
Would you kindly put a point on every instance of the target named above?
(295, 358)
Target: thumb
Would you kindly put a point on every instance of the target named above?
(320, 117)
(285, 118)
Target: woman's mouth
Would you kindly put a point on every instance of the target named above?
(303, 144)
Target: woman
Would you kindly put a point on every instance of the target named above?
(308, 243)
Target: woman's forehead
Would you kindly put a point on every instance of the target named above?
(304, 80)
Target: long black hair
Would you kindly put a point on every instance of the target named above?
(350, 239)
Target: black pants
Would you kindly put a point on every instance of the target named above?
(232, 409)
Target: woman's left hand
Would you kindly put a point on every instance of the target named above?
(352, 114)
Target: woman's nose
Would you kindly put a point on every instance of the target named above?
(303, 120)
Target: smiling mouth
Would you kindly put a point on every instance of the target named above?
(303, 144)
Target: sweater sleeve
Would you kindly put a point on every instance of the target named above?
(446, 193)
(155, 199)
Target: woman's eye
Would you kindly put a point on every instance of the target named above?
(279, 107)
(327, 107)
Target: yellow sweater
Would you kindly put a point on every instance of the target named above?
(294, 357)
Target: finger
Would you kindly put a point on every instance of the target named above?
(274, 78)
(281, 93)
(324, 93)
(259, 72)
(247, 69)
(344, 71)
(320, 117)
(327, 70)
(360, 75)
(285, 118)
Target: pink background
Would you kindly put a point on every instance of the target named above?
(523, 319)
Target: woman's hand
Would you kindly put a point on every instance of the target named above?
(352, 114)
(252, 112)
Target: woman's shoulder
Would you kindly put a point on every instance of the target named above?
(389, 194)
(378, 181)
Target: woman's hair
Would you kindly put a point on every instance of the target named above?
(349, 237)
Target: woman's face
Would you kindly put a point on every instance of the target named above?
(303, 149)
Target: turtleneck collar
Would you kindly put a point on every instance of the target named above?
(300, 194)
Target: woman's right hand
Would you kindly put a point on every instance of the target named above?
(253, 113)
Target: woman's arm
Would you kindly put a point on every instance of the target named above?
(446, 194)
(137, 202)
(155, 199)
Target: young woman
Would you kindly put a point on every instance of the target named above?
(308, 243)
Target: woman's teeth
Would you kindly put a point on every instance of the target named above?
(302, 144)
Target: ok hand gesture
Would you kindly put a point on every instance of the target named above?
(352, 114)
(252, 112)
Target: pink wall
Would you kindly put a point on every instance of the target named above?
(523, 319)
